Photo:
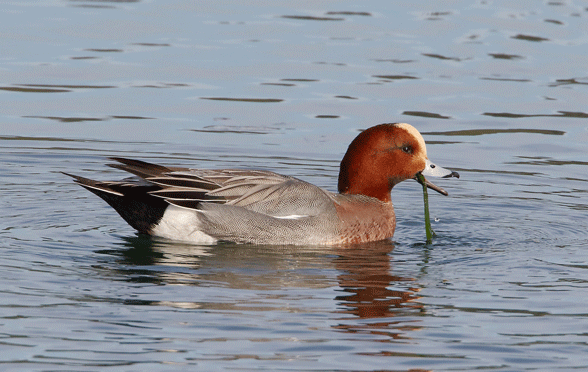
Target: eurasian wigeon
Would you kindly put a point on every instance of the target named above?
(254, 206)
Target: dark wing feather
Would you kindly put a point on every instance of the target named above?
(139, 168)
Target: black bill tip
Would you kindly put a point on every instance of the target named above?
(452, 174)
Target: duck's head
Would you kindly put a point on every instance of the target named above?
(383, 156)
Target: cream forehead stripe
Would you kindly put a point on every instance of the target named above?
(415, 133)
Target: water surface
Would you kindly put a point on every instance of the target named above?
(499, 91)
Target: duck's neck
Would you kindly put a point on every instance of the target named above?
(359, 179)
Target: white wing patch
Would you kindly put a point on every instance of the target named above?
(291, 217)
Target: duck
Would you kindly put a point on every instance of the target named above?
(208, 206)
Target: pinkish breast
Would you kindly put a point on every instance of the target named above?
(364, 219)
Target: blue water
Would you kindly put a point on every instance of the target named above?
(499, 91)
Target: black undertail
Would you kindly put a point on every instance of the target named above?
(132, 201)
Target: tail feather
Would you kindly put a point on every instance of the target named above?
(94, 186)
(132, 201)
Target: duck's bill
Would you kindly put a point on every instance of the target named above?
(433, 170)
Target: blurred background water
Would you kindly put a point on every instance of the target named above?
(499, 90)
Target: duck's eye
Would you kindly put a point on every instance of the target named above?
(407, 149)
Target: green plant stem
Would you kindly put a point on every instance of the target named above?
(428, 229)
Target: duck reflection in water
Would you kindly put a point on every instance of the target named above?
(365, 276)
